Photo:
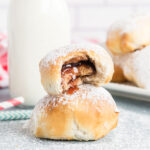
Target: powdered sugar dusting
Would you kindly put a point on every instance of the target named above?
(64, 51)
(138, 65)
(75, 69)
(128, 24)
(86, 91)
(132, 133)
(120, 60)
(39, 108)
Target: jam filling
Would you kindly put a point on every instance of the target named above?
(72, 90)
(72, 73)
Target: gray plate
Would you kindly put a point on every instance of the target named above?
(128, 91)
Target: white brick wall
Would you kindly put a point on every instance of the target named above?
(128, 2)
(91, 18)
(85, 2)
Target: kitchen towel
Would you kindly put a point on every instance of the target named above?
(3, 61)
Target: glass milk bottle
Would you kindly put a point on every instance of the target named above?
(35, 27)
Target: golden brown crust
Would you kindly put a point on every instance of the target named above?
(118, 61)
(128, 36)
(118, 75)
(84, 115)
(51, 66)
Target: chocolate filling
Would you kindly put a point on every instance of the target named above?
(73, 73)
(87, 63)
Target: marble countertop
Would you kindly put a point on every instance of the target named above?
(133, 132)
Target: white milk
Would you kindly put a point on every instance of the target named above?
(35, 28)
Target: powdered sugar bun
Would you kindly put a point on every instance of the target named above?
(87, 114)
(136, 68)
(96, 67)
(129, 34)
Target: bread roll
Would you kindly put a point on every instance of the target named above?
(88, 113)
(118, 75)
(118, 60)
(136, 68)
(129, 35)
(74, 65)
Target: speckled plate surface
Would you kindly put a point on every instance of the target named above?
(129, 91)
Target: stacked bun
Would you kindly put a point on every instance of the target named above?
(128, 41)
(77, 107)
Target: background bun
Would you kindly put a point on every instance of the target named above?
(129, 35)
(118, 75)
(88, 114)
(136, 68)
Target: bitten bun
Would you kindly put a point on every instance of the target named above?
(74, 65)
(129, 35)
(89, 113)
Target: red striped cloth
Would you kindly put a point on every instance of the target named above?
(3, 61)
